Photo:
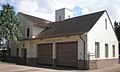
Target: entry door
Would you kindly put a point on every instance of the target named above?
(24, 51)
(67, 54)
(17, 56)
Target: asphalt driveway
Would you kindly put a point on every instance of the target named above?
(6, 67)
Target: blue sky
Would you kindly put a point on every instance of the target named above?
(45, 8)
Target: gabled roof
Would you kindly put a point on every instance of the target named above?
(72, 26)
(36, 21)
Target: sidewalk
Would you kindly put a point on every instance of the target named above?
(6, 67)
(115, 68)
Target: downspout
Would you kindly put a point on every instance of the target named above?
(83, 50)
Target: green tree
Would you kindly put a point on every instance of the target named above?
(10, 27)
(117, 29)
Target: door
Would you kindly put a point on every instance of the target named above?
(67, 54)
(17, 56)
(45, 53)
(24, 51)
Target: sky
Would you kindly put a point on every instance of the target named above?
(46, 8)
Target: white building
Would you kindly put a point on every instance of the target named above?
(84, 42)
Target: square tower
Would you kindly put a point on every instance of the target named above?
(63, 14)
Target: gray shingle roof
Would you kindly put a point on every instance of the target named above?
(36, 21)
(73, 26)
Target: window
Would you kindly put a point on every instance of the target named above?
(105, 23)
(68, 16)
(59, 17)
(9, 51)
(106, 50)
(97, 49)
(28, 32)
(17, 52)
(113, 50)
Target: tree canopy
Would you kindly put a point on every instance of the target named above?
(10, 27)
(117, 29)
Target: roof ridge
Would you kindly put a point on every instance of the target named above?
(82, 16)
(36, 20)
(33, 16)
(77, 25)
(94, 13)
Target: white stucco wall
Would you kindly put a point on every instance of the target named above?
(26, 24)
(100, 34)
(58, 13)
(83, 47)
(37, 30)
(32, 49)
(34, 30)
(68, 13)
(64, 13)
(13, 48)
(28, 45)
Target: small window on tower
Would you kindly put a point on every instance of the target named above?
(59, 17)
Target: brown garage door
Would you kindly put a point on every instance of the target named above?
(45, 53)
(67, 54)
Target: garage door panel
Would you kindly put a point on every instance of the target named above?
(45, 53)
(68, 57)
(67, 63)
(44, 57)
(67, 54)
(70, 50)
(67, 49)
(43, 61)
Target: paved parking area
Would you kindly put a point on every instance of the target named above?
(5, 67)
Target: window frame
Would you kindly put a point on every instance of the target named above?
(68, 16)
(113, 50)
(106, 24)
(106, 50)
(28, 32)
(97, 49)
(60, 17)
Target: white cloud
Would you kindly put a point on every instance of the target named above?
(2, 1)
(27, 6)
(85, 11)
(45, 8)
(38, 8)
